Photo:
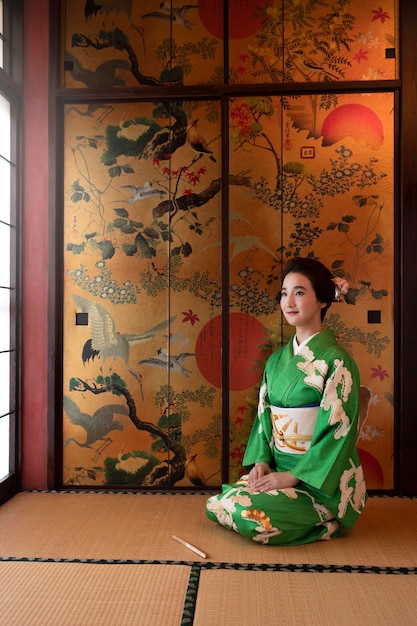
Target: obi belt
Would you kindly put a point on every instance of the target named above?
(293, 428)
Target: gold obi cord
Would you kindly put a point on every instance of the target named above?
(293, 428)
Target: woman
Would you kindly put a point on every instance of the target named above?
(305, 481)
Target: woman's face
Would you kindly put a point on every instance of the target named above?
(299, 303)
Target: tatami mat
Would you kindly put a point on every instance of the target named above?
(251, 598)
(80, 594)
(81, 559)
(140, 526)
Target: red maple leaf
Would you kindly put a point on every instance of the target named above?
(244, 130)
(241, 409)
(380, 14)
(362, 55)
(238, 452)
(193, 178)
(378, 372)
(240, 113)
(189, 316)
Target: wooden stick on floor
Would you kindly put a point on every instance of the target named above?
(190, 546)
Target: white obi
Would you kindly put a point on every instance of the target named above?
(293, 428)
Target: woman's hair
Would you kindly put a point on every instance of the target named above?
(318, 274)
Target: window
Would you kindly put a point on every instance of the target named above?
(10, 123)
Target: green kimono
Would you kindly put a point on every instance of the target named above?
(307, 424)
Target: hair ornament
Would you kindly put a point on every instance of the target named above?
(341, 287)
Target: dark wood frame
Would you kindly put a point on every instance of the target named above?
(406, 258)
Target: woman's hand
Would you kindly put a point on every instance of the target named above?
(258, 471)
(262, 478)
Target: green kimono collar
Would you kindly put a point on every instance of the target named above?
(320, 341)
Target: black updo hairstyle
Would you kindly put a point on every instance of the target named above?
(318, 274)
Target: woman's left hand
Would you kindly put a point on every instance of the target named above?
(274, 480)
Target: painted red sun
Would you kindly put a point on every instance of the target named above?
(356, 121)
(247, 335)
(373, 472)
(242, 20)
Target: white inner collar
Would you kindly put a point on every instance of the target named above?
(297, 347)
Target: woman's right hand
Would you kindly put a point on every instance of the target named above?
(257, 471)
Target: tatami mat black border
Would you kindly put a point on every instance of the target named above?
(182, 492)
(316, 568)
(101, 492)
(191, 596)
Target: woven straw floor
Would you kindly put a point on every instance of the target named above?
(83, 559)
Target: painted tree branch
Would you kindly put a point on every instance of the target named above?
(116, 39)
(166, 473)
(194, 200)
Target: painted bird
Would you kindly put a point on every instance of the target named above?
(197, 142)
(92, 7)
(141, 193)
(177, 16)
(310, 66)
(193, 473)
(169, 361)
(105, 341)
(96, 426)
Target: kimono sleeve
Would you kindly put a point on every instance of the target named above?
(334, 438)
(259, 448)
